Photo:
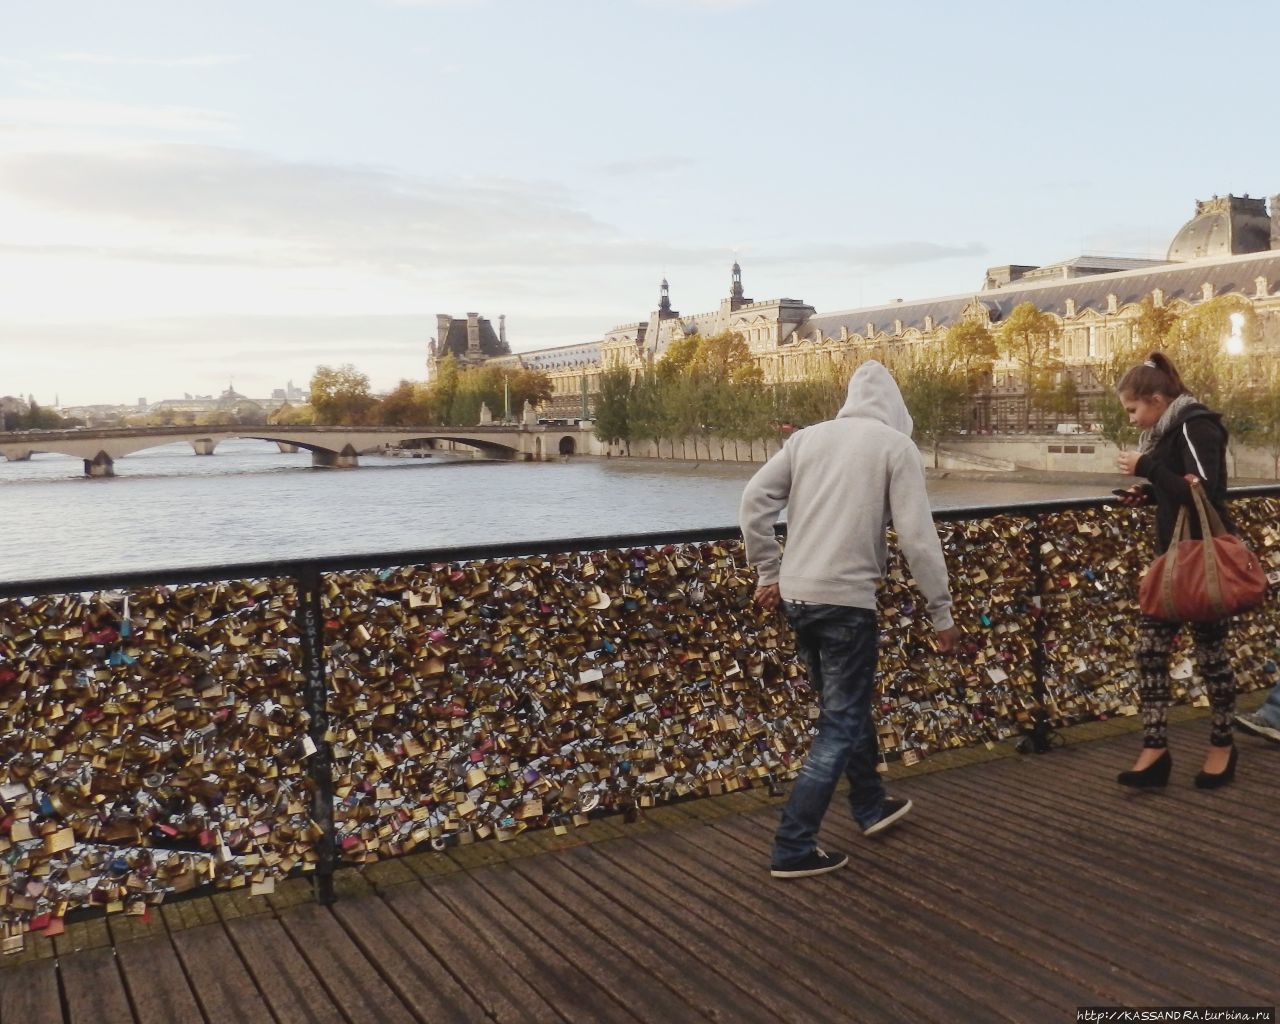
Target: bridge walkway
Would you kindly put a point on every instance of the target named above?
(1018, 889)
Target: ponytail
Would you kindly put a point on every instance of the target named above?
(1156, 376)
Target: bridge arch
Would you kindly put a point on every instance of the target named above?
(568, 446)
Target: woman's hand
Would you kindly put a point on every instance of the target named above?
(1127, 462)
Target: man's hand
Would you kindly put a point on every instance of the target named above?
(948, 639)
(768, 596)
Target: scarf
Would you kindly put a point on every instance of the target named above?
(1148, 439)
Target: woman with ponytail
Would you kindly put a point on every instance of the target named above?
(1180, 438)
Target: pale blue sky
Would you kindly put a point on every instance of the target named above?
(192, 193)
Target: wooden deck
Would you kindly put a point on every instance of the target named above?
(1017, 890)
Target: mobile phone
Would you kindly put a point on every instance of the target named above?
(1124, 493)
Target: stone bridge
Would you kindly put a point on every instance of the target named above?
(338, 447)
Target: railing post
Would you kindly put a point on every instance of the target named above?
(1038, 659)
(320, 753)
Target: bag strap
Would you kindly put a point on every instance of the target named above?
(1212, 579)
(1194, 454)
(1168, 600)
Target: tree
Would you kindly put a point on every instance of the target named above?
(293, 415)
(1266, 411)
(936, 395)
(532, 386)
(647, 412)
(445, 387)
(341, 396)
(613, 420)
(1029, 340)
(969, 348)
(1153, 324)
(407, 405)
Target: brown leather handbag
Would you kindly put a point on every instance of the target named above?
(1202, 580)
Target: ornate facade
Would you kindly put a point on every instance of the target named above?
(1230, 246)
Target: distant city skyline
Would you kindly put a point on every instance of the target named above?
(194, 193)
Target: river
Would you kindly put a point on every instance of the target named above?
(168, 508)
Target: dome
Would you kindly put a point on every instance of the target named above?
(1223, 226)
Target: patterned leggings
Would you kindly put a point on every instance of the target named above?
(1155, 644)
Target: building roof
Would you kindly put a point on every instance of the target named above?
(562, 357)
(456, 340)
(1177, 281)
(1223, 226)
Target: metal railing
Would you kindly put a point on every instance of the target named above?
(232, 725)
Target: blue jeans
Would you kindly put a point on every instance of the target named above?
(1270, 710)
(838, 646)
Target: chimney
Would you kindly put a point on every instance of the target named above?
(1275, 221)
(473, 334)
(443, 322)
(502, 331)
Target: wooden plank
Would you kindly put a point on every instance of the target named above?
(94, 988)
(1136, 824)
(409, 967)
(1211, 955)
(357, 986)
(1172, 888)
(29, 994)
(223, 987)
(189, 913)
(1024, 954)
(158, 988)
(91, 933)
(696, 942)
(556, 978)
(482, 971)
(1131, 861)
(291, 989)
(804, 963)
(886, 946)
(1104, 930)
(703, 990)
(970, 960)
(1088, 963)
(644, 996)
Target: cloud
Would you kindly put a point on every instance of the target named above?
(705, 5)
(879, 256)
(255, 209)
(641, 166)
(202, 60)
(96, 114)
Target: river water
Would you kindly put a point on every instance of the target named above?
(168, 508)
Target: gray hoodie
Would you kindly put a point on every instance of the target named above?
(843, 482)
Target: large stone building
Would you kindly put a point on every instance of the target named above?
(1230, 246)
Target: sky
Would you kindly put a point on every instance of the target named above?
(194, 195)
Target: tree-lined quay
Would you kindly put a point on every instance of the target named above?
(166, 731)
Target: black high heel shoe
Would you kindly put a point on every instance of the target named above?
(1214, 780)
(1153, 776)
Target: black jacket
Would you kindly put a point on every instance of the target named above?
(1167, 464)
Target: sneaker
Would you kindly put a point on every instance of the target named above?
(1256, 725)
(892, 811)
(815, 863)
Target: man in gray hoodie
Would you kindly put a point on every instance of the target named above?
(843, 483)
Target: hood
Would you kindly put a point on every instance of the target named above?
(874, 394)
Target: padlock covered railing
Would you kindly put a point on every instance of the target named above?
(233, 725)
